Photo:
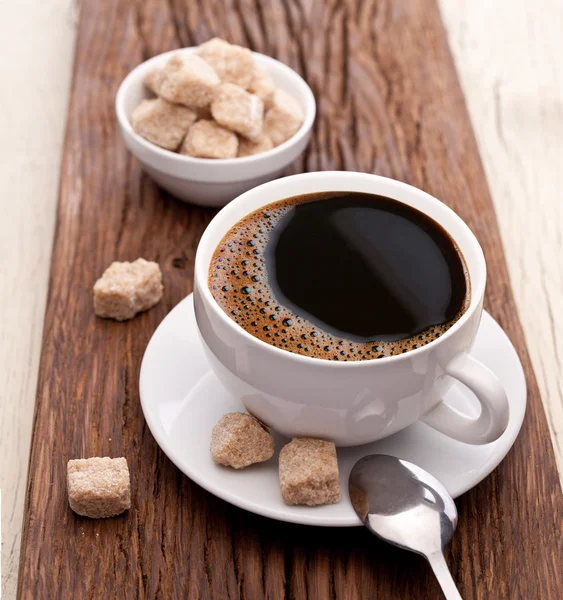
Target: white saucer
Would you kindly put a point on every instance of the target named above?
(182, 400)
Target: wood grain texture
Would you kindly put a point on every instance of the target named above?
(389, 102)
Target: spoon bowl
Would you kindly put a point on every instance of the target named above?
(406, 506)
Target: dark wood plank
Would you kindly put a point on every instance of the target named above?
(389, 102)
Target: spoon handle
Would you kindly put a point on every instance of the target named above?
(443, 575)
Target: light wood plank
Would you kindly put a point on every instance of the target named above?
(36, 52)
(508, 56)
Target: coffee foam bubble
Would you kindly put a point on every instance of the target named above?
(239, 284)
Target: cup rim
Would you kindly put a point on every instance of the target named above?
(477, 288)
(134, 77)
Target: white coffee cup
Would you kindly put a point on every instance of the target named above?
(352, 402)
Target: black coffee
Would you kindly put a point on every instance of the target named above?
(340, 276)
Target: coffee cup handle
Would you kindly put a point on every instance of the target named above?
(492, 421)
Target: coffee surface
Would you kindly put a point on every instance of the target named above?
(340, 276)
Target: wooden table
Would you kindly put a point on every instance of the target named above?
(506, 56)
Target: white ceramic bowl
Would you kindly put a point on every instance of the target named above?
(205, 181)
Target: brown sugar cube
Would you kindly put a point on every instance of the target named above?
(283, 119)
(127, 288)
(188, 79)
(239, 440)
(232, 63)
(98, 487)
(237, 110)
(248, 148)
(162, 123)
(309, 472)
(262, 85)
(206, 139)
(153, 79)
